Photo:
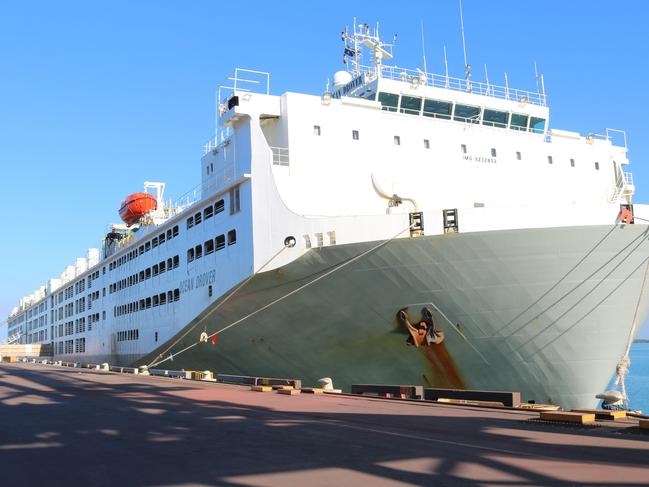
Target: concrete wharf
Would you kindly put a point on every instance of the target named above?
(73, 426)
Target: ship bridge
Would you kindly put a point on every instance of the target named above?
(415, 92)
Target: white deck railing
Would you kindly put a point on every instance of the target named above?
(418, 77)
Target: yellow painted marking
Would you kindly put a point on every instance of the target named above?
(261, 388)
(289, 392)
(603, 413)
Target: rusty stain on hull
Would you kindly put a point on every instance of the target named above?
(444, 370)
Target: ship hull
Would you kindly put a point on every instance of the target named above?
(546, 312)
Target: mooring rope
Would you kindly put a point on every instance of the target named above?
(281, 298)
(624, 364)
(246, 281)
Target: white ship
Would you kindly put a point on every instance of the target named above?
(402, 227)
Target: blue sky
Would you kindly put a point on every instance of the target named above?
(97, 97)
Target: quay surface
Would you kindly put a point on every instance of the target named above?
(71, 426)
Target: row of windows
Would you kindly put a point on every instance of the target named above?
(80, 305)
(206, 214)
(145, 247)
(70, 346)
(126, 335)
(37, 323)
(94, 296)
(209, 246)
(414, 105)
(160, 268)
(34, 311)
(94, 318)
(519, 156)
(40, 336)
(209, 211)
(80, 325)
(92, 277)
(79, 286)
(146, 303)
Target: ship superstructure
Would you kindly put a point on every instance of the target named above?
(334, 231)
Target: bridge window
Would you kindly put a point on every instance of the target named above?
(208, 212)
(175, 231)
(495, 118)
(519, 122)
(518, 156)
(232, 237)
(437, 109)
(397, 140)
(493, 152)
(199, 251)
(549, 159)
(197, 218)
(597, 166)
(410, 105)
(190, 255)
(219, 206)
(316, 130)
(355, 134)
(190, 222)
(537, 125)
(389, 101)
(463, 148)
(426, 144)
(572, 163)
(466, 113)
(209, 247)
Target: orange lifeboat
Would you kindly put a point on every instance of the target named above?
(135, 206)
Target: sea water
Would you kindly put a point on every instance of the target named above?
(637, 380)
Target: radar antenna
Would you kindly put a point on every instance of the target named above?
(364, 37)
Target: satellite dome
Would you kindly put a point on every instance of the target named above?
(341, 78)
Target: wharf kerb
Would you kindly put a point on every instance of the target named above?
(386, 390)
(510, 399)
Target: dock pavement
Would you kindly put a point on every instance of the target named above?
(69, 426)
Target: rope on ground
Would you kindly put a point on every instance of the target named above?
(246, 281)
(287, 295)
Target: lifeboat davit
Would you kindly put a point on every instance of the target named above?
(135, 206)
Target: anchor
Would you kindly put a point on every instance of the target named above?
(424, 332)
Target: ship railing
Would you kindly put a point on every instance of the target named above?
(189, 198)
(224, 137)
(611, 135)
(280, 156)
(242, 79)
(418, 77)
